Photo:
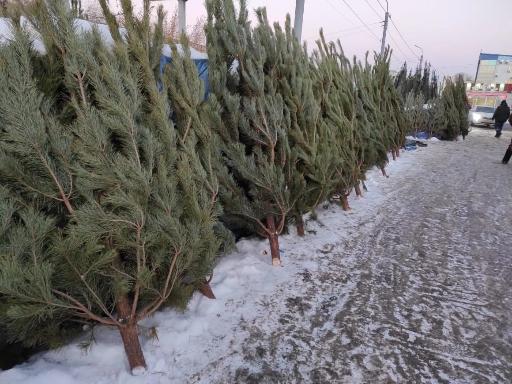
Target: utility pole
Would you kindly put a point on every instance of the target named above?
(299, 17)
(182, 16)
(386, 21)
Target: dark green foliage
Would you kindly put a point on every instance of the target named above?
(455, 110)
(421, 82)
(107, 211)
(112, 173)
(310, 173)
(426, 109)
(255, 123)
(341, 126)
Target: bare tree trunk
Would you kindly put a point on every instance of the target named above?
(383, 170)
(273, 239)
(357, 188)
(206, 289)
(300, 225)
(397, 152)
(344, 202)
(130, 335)
(393, 153)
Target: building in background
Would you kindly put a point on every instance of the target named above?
(493, 80)
(494, 73)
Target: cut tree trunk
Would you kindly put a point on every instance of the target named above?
(357, 188)
(300, 225)
(206, 289)
(273, 239)
(130, 335)
(344, 202)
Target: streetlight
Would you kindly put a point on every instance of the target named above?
(421, 58)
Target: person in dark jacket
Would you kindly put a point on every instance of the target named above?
(501, 115)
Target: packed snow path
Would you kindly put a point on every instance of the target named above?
(420, 292)
(414, 285)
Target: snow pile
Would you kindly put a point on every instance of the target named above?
(187, 342)
(6, 33)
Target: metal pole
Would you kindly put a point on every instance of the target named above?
(299, 17)
(386, 21)
(182, 16)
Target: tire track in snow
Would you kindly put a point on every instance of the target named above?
(421, 293)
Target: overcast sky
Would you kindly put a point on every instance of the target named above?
(451, 32)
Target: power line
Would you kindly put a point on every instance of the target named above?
(403, 39)
(355, 29)
(384, 9)
(373, 9)
(398, 47)
(341, 13)
(359, 18)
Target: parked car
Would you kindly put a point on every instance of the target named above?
(481, 115)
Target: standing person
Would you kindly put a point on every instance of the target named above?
(508, 154)
(501, 115)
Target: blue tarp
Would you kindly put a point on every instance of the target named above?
(202, 70)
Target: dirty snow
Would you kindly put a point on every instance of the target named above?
(411, 286)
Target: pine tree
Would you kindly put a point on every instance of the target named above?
(310, 172)
(370, 118)
(437, 117)
(434, 87)
(462, 105)
(452, 118)
(341, 123)
(390, 105)
(401, 80)
(254, 126)
(114, 208)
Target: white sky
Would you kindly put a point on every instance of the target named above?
(451, 32)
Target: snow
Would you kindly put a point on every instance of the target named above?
(189, 341)
(406, 287)
(139, 371)
(6, 33)
(82, 26)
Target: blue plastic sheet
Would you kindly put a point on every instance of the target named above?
(422, 135)
(202, 71)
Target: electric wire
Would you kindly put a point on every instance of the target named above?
(403, 39)
(384, 9)
(360, 19)
(373, 9)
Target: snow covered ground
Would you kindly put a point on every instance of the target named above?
(411, 286)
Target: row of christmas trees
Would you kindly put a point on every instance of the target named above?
(120, 183)
(443, 114)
